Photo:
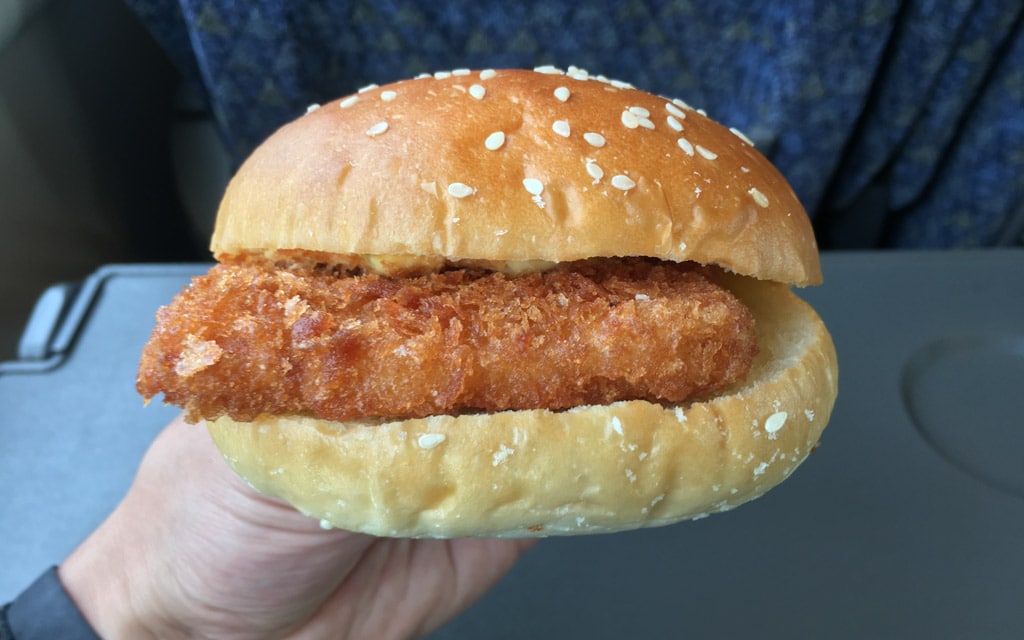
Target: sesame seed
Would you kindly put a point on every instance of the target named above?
(745, 169)
(674, 110)
(423, 75)
(501, 232)
(549, 69)
(487, 74)
(623, 182)
(460, 190)
(561, 127)
(681, 103)
(477, 91)
(759, 198)
(674, 124)
(685, 145)
(430, 440)
(742, 136)
(348, 102)
(710, 155)
(442, 75)
(630, 119)
(368, 87)
(646, 123)
(702, 112)
(594, 139)
(388, 96)
(313, 107)
(460, 72)
(640, 112)
(619, 84)
(562, 93)
(775, 421)
(682, 246)
(495, 141)
(577, 74)
(534, 186)
(595, 171)
(377, 129)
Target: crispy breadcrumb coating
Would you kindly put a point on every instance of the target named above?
(249, 339)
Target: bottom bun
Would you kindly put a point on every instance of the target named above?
(592, 469)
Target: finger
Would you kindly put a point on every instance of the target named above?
(476, 565)
(226, 544)
(407, 588)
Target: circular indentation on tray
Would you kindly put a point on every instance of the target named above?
(965, 395)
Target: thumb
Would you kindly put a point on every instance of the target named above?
(229, 548)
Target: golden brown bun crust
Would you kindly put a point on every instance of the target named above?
(535, 473)
(382, 176)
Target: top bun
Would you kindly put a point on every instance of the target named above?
(517, 166)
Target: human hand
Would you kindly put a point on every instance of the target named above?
(193, 551)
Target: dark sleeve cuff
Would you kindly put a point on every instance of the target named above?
(45, 611)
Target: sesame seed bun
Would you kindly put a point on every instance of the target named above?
(517, 166)
(518, 170)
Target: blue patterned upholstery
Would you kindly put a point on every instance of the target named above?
(899, 123)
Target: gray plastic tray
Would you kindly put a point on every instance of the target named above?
(907, 522)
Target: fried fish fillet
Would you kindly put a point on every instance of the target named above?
(251, 339)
